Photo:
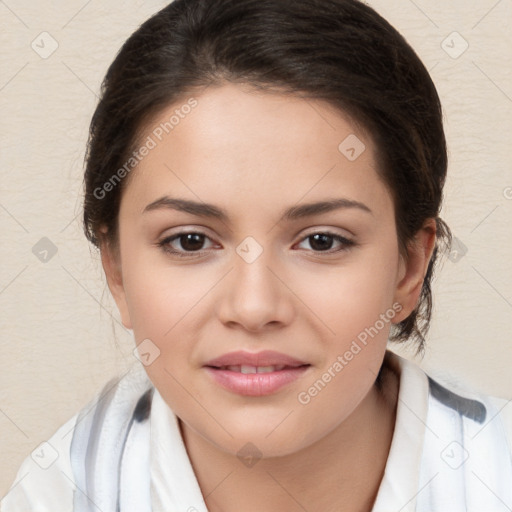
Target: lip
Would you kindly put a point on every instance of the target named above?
(264, 358)
(255, 384)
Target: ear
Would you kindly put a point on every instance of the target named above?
(412, 269)
(111, 262)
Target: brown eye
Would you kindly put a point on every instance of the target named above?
(191, 241)
(323, 242)
(182, 243)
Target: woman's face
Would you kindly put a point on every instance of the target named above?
(264, 326)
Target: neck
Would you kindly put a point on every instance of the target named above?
(342, 471)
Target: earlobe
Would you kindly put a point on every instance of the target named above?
(412, 270)
(111, 263)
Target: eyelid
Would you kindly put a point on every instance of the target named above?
(335, 231)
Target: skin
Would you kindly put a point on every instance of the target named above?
(255, 154)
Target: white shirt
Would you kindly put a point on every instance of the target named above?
(424, 465)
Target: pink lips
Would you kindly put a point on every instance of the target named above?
(255, 374)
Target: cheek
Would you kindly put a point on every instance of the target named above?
(161, 302)
(158, 295)
(357, 308)
(351, 298)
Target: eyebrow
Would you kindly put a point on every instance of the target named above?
(201, 209)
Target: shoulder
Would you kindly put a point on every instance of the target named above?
(466, 443)
(486, 411)
(44, 482)
(431, 398)
(53, 473)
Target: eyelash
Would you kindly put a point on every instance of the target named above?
(347, 244)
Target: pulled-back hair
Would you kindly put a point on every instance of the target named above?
(340, 51)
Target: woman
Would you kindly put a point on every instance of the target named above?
(264, 180)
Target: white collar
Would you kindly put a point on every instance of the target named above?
(399, 485)
(173, 482)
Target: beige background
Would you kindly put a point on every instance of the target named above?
(61, 338)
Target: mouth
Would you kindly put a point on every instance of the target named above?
(249, 361)
(255, 374)
(247, 369)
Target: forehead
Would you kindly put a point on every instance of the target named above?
(237, 143)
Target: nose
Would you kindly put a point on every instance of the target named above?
(254, 295)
